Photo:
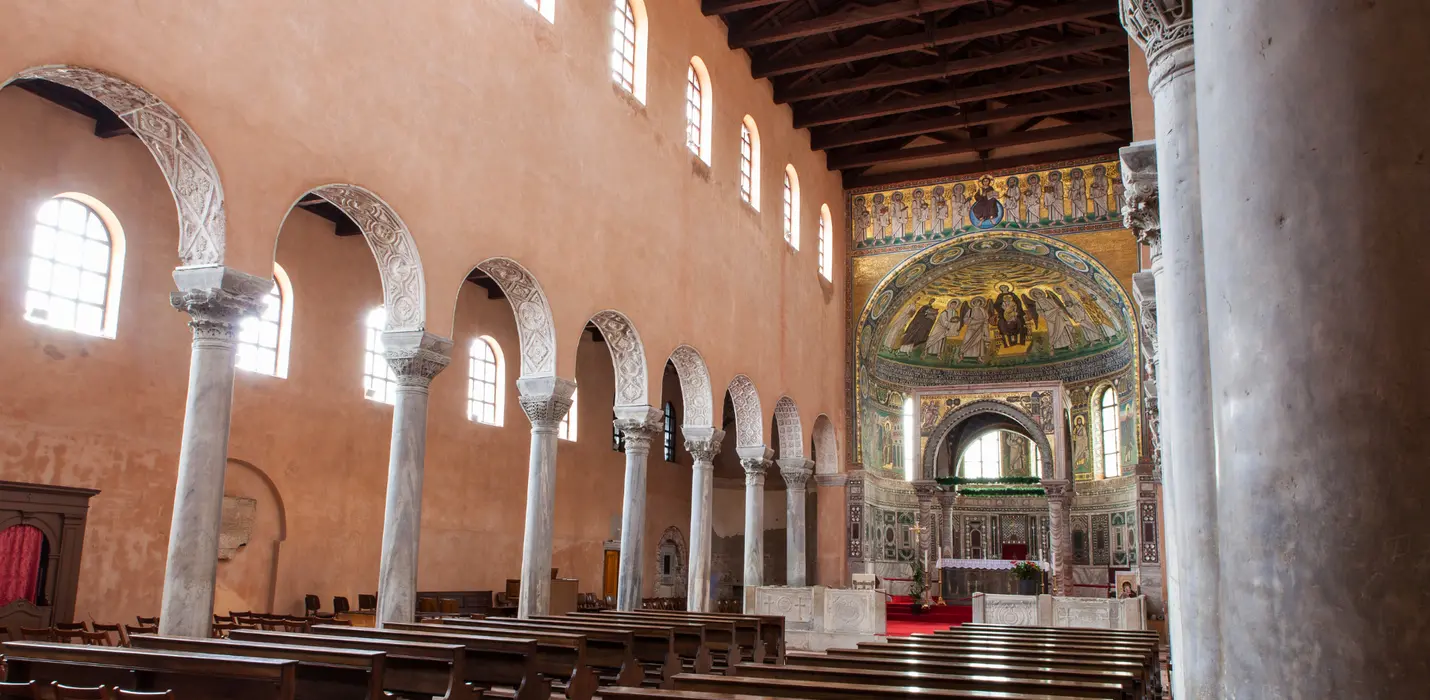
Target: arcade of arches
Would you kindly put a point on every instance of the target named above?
(606, 306)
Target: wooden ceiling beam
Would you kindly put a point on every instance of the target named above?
(937, 71)
(854, 17)
(1108, 73)
(961, 169)
(1005, 140)
(712, 8)
(1012, 22)
(852, 137)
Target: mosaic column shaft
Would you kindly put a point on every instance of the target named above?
(415, 357)
(946, 500)
(1060, 532)
(754, 518)
(703, 444)
(216, 298)
(638, 425)
(1314, 142)
(796, 472)
(925, 491)
(545, 401)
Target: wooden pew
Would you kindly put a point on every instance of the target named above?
(412, 668)
(937, 654)
(611, 652)
(1125, 680)
(190, 676)
(747, 630)
(697, 642)
(491, 661)
(560, 656)
(1086, 631)
(935, 643)
(770, 631)
(990, 682)
(1148, 652)
(323, 674)
(655, 646)
(666, 694)
(822, 690)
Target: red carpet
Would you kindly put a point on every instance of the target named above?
(903, 622)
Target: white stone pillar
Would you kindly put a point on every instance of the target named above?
(1169, 219)
(1060, 532)
(703, 444)
(545, 401)
(755, 460)
(216, 298)
(638, 425)
(796, 472)
(1317, 155)
(415, 357)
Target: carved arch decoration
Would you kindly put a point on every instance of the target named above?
(953, 419)
(749, 427)
(791, 433)
(674, 539)
(826, 447)
(404, 291)
(627, 355)
(185, 162)
(695, 389)
(535, 328)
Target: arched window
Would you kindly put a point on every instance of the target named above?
(669, 432)
(566, 429)
(698, 111)
(485, 397)
(750, 162)
(826, 242)
(76, 261)
(628, 38)
(378, 380)
(547, 8)
(981, 458)
(910, 453)
(1111, 449)
(791, 207)
(263, 339)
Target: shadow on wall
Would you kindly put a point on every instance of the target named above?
(254, 526)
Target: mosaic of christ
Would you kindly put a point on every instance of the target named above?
(1004, 313)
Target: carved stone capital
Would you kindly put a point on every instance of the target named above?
(639, 425)
(947, 499)
(755, 470)
(1163, 28)
(1059, 492)
(416, 356)
(545, 400)
(217, 298)
(703, 444)
(1141, 211)
(796, 472)
(925, 490)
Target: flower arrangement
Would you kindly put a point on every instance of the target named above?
(1026, 571)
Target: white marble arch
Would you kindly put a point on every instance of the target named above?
(187, 166)
(749, 422)
(827, 460)
(949, 422)
(535, 328)
(695, 389)
(627, 356)
(404, 289)
(791, 431)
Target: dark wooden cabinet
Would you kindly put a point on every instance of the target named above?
(59, 512)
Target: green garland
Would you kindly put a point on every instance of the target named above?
(999, 480)
(1010, 491)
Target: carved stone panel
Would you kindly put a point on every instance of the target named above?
(239, 514)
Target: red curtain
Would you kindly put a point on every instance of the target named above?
(19, 562)
(1015, 551)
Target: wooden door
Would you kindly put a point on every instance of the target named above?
(611, 573)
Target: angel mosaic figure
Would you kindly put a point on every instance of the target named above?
(1031, 192)
(960, 206)
(899, 216)
(1053, 196)
(1077, 194)
(919, 329)
(1079, 314)
(922, 214)
(896, 327)
(881, 217)
(1098, 191)
(975, 331)
(1059, 325)
(1112, 316)
(1013, 204)
(861, 218)
(940, 210)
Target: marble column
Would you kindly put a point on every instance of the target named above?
(545, 401)
(755, 461)
(925, 490)
(946, 501)
(1060, 532)
(216, 299)
(1316, 147)
(703, 444)
(638, 425)
(796, 472)
(1168, 217)
(415, 357)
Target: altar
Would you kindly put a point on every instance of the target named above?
(961, 578)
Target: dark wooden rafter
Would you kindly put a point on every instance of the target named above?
(342, 225)
(107, 124)
(896, 84)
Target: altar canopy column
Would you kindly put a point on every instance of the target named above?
(1060, 531)
(925, 490)
(638, 425)
(216, 299)
(1316, 147)
(755, 460)
(415, 358)
(545, 401)
(703, 444)
(1168, 218)
(796, 472)
(950, 544)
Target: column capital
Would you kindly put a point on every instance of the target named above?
(545, 400)
(416, 356)
(1058, 491)
(216, 298)
(796, 471)
(925, 489)
(639, 425)
(703, 444)
(1163, 28)
(947, 499)
(755, 468)
(1141, 211)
